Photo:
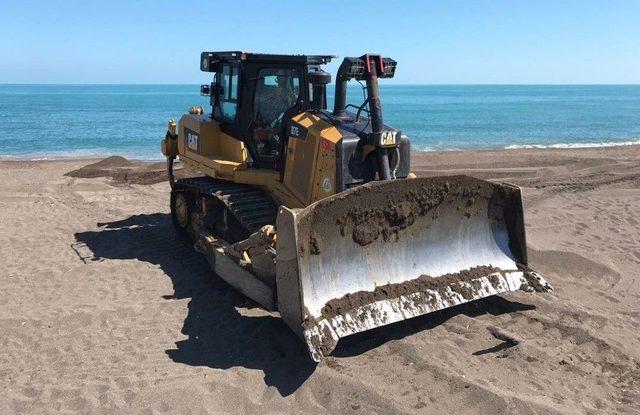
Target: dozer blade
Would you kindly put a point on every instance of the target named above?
(387, 251)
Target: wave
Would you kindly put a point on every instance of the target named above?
(79, 154)
(574, 145)
(422, 148)
(92, 153)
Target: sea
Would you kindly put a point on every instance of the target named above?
(59, 121)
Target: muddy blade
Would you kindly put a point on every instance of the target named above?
(388, 251)
(322, 334)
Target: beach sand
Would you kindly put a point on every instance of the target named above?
(104, 309)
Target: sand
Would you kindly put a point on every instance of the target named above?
(105, 310)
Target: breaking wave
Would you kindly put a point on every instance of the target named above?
(574, 145)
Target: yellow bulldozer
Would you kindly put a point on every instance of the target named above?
(315, 213)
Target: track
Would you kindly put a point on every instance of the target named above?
(251, 207)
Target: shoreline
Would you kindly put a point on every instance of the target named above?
(74, 158)
(527, 148)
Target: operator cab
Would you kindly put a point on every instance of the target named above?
(254, 95)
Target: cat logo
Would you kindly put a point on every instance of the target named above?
(192, 140)
(388, 138)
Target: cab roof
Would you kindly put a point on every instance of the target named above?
(237, 56)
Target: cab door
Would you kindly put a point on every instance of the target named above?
(273, 96)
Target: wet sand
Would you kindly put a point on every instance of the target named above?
(105, 310)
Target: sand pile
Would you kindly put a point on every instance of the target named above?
(122, 170)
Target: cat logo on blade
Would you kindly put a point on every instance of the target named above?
(388, 138)
(192, 140)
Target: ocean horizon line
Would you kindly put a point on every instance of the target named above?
(382, 84)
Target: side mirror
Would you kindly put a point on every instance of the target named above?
(205, 90)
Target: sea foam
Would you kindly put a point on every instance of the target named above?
(574, 145)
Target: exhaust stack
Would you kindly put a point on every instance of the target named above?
(369, 68)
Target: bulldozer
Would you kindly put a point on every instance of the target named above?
(314, 213)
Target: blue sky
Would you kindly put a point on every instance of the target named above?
(434, 42)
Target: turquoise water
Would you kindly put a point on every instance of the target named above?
(47, 121)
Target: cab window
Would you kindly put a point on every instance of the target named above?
(228, 79)
(276, 95)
